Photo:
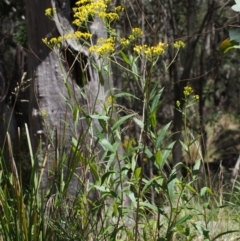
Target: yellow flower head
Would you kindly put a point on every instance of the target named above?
(109, 16)
(50, 12)
(44, 40)
(188, 90)
(124, 42)
(119, 9)
(87, 8)
(179, 44)
(104, 46)
(111, 99)
(151, 52)
(178, 103)
(79, 34)
(196, 97)
(136, 33)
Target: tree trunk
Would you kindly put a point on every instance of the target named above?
(7, 117)
(49, 98)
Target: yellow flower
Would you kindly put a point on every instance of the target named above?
(50, 11)
(188, 90)
(85, 9)
(119, 9)
(124, 42)
(140, 48)
(110, 99)
(104, 46)
(137, 32)
(68, 35)
(109, 16)
(53, 41)
(83, 2)
(79, 35)
(44, 40)
(196, 97)
(44, 113)
(179, 44)
(60, 39)
(178, 103)
(151, 52)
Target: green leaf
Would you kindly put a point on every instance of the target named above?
(158, 157)
(125, 58)
(205, 190)
(94, 171)
(153, 119)
(121, 121)
(162, 135)
(159, 180)
(74, 142)
(102, 188)
(191, 189)
(224, 233)
(184, 146)
(196, 168)
(150, 206)
(107, 145)
(106, 175)
(137, 172)
(125, 94)
(134, 67)
(100, 117)
(139, 122)
(183, 219)
(75, 115)
(166, 154)
(68, 90)
(171, 188)
(133, 199)
(197, 164)
(156, 101)
(228, 44)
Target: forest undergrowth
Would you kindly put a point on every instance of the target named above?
(109, 184)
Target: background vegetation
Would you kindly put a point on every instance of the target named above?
(167, 136)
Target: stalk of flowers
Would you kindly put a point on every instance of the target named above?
(151, 52)
(89, 8)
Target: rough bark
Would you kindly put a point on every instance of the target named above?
(48, 94)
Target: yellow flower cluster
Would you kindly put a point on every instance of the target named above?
(188, 90)
(79, 34)
(179, 44)
(110, 99)
(196, 97)
(87, 8)
(50, 12)
(109, 16)
(124, 42)
(119, 9)
(58, 41)
(104, 46)
(152, 51)
(136, 32)
(53, 42)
